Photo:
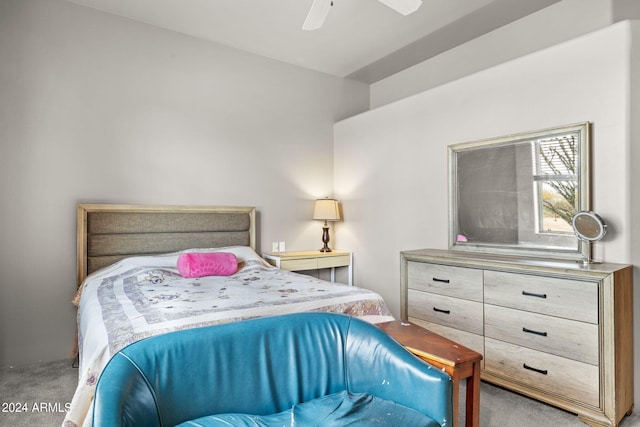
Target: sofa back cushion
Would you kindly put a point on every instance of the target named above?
(257, 367)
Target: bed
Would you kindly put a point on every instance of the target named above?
(130, 288)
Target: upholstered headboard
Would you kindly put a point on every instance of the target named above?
(107, 233)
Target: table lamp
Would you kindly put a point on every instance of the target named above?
(327, 210)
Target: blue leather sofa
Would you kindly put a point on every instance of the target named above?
(306, 369)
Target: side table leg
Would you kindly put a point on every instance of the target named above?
(473, 398)
(456, 398)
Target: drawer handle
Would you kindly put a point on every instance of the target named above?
(531, 331)
(531, 294)
(540, 371)
(439, 310)
(435, 279)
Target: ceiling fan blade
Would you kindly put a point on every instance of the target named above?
(404, 7)
(317, 14)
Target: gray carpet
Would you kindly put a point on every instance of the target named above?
(36, 395)
(44, 390)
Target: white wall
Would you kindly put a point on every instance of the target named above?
(97, 108)
(391, 163)
(552, 25)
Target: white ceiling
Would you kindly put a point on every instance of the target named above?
(361, 39)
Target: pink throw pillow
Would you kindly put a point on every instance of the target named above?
(200, 264)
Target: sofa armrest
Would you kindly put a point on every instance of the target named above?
(124, 397)
(377, 364)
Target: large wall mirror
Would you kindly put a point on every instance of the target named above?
(517, 194)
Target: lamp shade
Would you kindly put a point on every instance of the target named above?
(327, 210)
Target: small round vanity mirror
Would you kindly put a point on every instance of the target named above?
(588, 226)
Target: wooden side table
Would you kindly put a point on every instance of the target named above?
(312, 260)
(458, 361)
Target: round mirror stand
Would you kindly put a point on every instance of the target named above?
(589, 227)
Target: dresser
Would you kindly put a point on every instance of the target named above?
(557, 331)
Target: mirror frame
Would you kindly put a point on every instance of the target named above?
(522, 249)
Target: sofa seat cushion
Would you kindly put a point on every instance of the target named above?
(338, 409)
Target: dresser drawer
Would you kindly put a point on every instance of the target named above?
(566, 298)
(453, 312)
(553, 374)
(567, 338)
(457, 282)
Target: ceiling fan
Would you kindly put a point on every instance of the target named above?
(320, 10)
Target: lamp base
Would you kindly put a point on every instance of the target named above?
(325, 238)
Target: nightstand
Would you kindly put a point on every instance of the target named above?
(312, 260)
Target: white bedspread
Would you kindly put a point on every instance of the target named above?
(140, 297)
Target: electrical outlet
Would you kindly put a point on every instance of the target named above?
(281, 247)
(274, 246)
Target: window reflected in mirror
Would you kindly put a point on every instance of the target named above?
(556, 182)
